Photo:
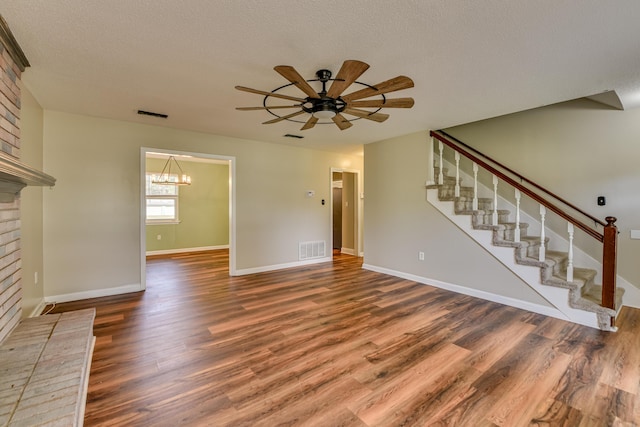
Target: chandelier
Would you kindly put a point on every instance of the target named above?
(166, 177)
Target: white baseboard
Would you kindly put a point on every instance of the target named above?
(500, 299)
(245, 271)
(97, 293)
(348, 251)
(38, 309)
(185, 250)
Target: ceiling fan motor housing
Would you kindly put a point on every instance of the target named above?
(314, 105)
(324, 107)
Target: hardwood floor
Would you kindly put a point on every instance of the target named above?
(334, 345)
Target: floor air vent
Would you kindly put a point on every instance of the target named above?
(310, 250)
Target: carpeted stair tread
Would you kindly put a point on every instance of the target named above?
(583, 294)
(488, 215)
(594, 295)
(530, 260)
(480, 199)
(559, 258)
(582, 279)
(512, 225)
(500, 212)
(581, 275)
(528, 240)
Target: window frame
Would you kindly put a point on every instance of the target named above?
(175, 197)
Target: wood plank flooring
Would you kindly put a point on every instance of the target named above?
(334, 345)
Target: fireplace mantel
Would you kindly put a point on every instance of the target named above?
(14, 176)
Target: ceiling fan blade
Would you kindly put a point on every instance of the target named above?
(288, 116)
(376, 117)
(275, 95)
(267, 108)
(310, 123)
(387, 103)
(294, 77)
(349, 73)
(341, 122)
(391, 85)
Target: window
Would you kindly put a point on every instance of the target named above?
(162, 202)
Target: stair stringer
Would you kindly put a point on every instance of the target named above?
(557, 242)
(557, 297)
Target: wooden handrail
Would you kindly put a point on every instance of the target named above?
(610, 233)
(528, 181)
(535, 196)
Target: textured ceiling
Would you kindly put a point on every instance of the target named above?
(470, 60)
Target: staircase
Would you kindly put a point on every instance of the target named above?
(579, 300)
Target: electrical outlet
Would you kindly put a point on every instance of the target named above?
(159, 237)
(421, 256)
(35, 278)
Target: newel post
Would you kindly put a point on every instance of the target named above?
(610, 243)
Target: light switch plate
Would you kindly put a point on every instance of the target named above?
(635, 234)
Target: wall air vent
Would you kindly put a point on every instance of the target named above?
(152, 114)
(290, 135)
(311, 250)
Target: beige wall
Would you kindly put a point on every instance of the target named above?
(203, 209)
(31, 206)
(399, 223)
(349, 211)
(92, 218)
(580, 150)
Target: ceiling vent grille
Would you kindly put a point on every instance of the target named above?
(311, 250)
(152, 114)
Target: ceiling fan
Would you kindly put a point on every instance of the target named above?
(329, 103)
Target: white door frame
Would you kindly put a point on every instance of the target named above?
(358, 208)
(143, 206)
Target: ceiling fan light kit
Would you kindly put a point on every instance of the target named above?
(329, 104)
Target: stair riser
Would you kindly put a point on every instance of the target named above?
(533, 250)
(487, 218)
(552, 270)
(510, 233)
(464, 204)
(560, 267)
(446, 192)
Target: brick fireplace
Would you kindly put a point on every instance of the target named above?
(13, 177)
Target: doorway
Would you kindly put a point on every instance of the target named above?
(145, 153)
(345, 211)
(336, 192)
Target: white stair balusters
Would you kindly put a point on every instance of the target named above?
(494, 217)
(431, 173)
(570, 255)
(475, 187)
(516, 231)
(542, 253)
(441, 165)
(457, 187)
